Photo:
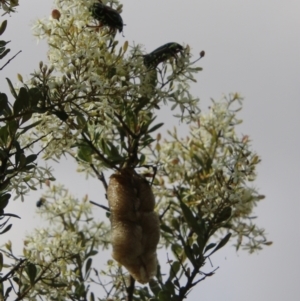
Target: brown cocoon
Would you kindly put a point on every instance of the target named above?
(134, 224)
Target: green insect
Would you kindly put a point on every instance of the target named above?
(106, 16)
(162, 54)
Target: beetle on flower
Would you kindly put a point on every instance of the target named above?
(161, 54)
(106, 16)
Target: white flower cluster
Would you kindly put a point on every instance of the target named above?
(60, 251)
(211, 170)
(94, 80)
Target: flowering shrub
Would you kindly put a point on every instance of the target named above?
(97, 102)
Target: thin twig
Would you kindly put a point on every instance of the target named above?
(100, 176)
(101, 206)
(10, 60)
(12, 271)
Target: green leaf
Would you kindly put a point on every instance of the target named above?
(191, 219)
(88, 266)
(4, 200)
(154, 128)
(12, 89)
(189, 254)
(81, 121)
(31, 158)
(169, 286)
(210, 246)
(176, 249)
(4, 138)
(35, 96)
(22, 161)
(154, 286)
(164, 296)
(28, 127)
(92, 253)
(22, 101)
(221, 244)
(224, 215)
(166, 228)
(12, 127)
(92, 297)
(1, 261)
(3, 27)
(8, 290)
(4, 53)
(7, 228)
(3, 43)
(4, 184)
(175, 267)
(31, 272)
(4, 107)
(84, 153)
(26, 117)
(11, 215)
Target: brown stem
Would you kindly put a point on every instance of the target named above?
(130, 289)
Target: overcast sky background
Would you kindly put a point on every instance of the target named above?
(252, 47)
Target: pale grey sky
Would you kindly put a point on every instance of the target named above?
(252, 47)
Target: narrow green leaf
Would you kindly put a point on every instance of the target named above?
(155, 287)
(4, 200)
(88, 266)
(11, 215)
(166, 228)
(191, 219)
(3, 43)
(189, 254)
(31, 158)
(22, 161)
(22, 101)
(7, 292)
(26, 117)
(154, 128)
(84, 153)
(35, 96)
(4, 108)
(26, 128)
(175, 267)
(12, 127)
(210, 246)
(221, 244)
(4, 184)
(7, 228)
(224, 215)
(31, 272)
(1, 261)
(92, 253)
(12, 89)
(92, 297)
(4, 53)
(3, 27)
(164, 296)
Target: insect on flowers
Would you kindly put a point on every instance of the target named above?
(161, 54)
(106, 16)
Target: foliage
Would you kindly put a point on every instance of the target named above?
(98, 102)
